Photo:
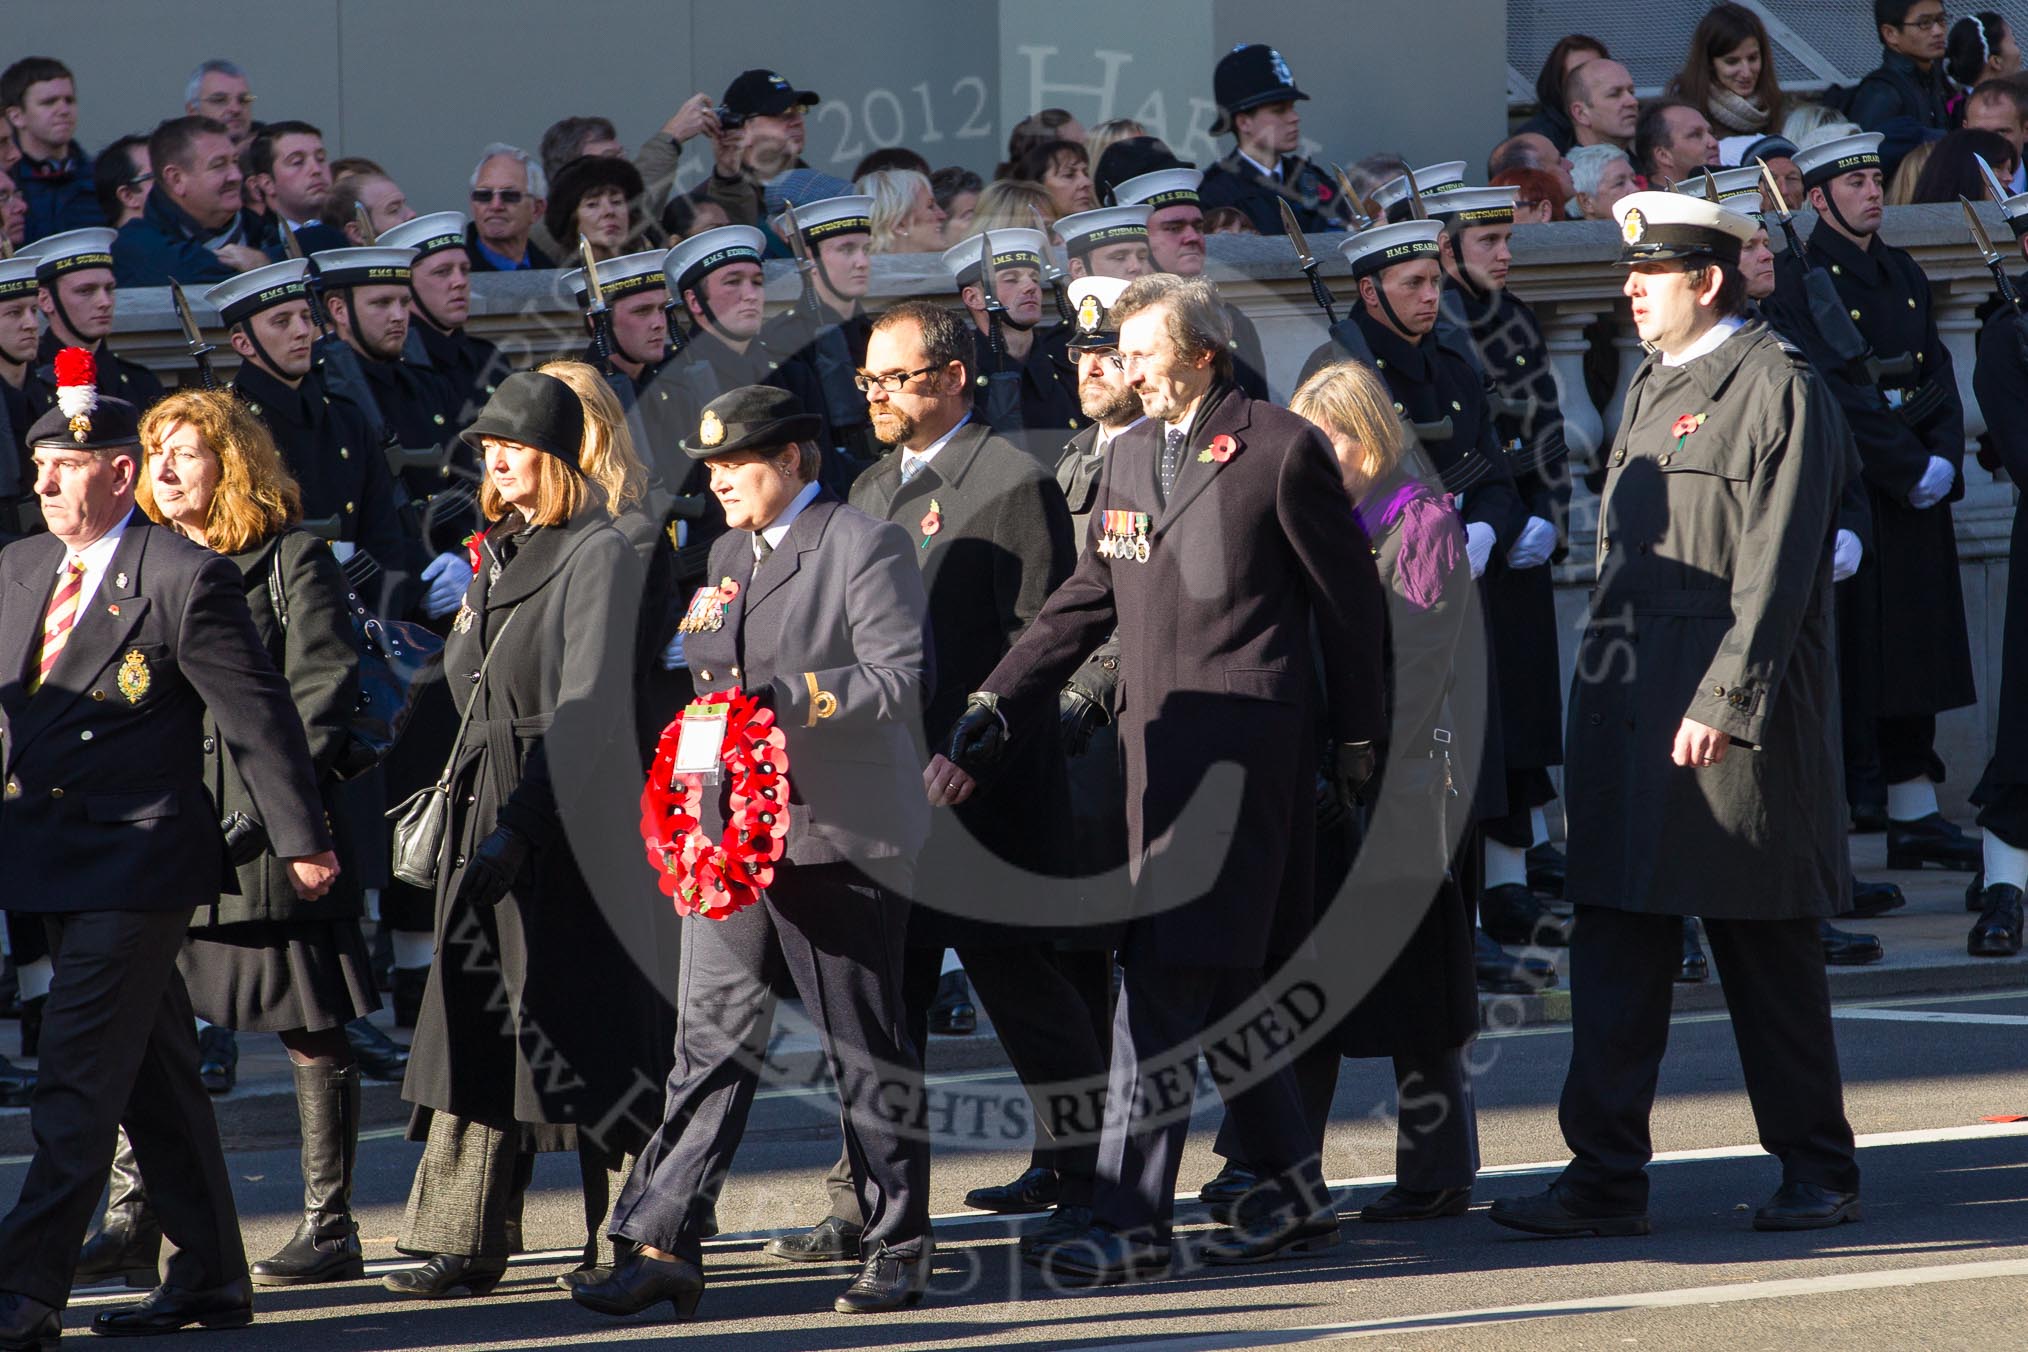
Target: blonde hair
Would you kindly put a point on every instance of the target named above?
(1350, 398)
(607, 457)
(895, 193)
(1901, 188)
(256, 498)
(560, 493)
(1011, 204)
(1108, 134)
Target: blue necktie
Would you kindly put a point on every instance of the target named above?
(1172, 459)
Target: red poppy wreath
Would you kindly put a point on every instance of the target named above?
(715, 878)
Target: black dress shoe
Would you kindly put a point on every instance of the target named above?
(217, 1059)
(27, 1325)
(1843, 948)
(17, 1085)
(1696, 967)
(31, 1026)
(120, 1250)
(446, 1275)
(1102, 1257)
(1036, 1190)
(1997, 931)
(1557, 1211)
(952, 1013)
(169, 1308)
(1266, 1237)
(1229, 1184)
(1066, 1222)
(888, 1281)
(1868, 818)
(379, 1056)
(828, 1241)
(1513, 914)
(1546, 869)
(1499, 972)
(1932, 840)
(1871, 899)
(1403, 1204)
(639, 1282)
(1806, 1206)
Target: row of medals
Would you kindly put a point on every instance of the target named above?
(707, 608)
(1124, 535)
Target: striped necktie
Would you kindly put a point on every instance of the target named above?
(57, 621)
(911, 465)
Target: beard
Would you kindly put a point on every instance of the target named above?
(892, 427)
(1108, 406)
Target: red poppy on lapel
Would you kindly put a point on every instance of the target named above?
(1221, 449)
(472, 548)
(932, 521)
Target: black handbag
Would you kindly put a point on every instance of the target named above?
(423, 819)
(395, 659)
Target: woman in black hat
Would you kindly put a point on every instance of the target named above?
(600, 197)
(509, 1056)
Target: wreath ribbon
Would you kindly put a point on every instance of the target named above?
(715, 878)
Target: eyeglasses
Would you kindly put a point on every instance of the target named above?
(507, 197)
(138, 180)
(228, 100)
(1935, 23)
(891, 382)
(1107, 356)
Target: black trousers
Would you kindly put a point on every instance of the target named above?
(839, 938)
(1162, 1013)
(119, 1049)
(1622, 967)
(1052, 1010)
(1908, 748)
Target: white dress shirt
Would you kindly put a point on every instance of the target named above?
(778, 530)
(913, 461)
(1713, 336)
(97, 557)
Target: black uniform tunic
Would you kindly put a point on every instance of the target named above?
(2001, 380)
(1049, 408)
(117, 377)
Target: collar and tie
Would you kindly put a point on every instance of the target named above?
(58, 620)
(911, 465)
(1172, 459)
(761, 550)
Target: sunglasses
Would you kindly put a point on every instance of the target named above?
(507, 197)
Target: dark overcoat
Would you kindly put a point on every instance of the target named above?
(106, 807)
(1248, 557)
(1713, 603)
(316, 654)
(538, 1010)
(2001, 380)
(991, 533)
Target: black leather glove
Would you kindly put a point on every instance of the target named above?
(245, 839)
(492, 869)
(979, 736)
(1353, 771)
(1330, 813)
(1078, 716)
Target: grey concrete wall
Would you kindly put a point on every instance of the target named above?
(421, 86)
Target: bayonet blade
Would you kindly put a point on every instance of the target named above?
(986, 287)
(1360, 220)
(191, 333)
(1993, 184)
(1980, 238)
(1774, 190)
(798, 246)
(291, 246)
(594, 291)
(1711, 189)
(1296, 237)
(367, 234)
(1416, 210)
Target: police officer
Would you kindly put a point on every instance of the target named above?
(440, 294)
(1257, 99)
(1150, 176)
(74, 274)
(1028, 393)
(2001, 380)
(827, 330)
(1702, 736)
(1905, 653)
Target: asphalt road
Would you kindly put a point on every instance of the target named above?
(1941, 1260)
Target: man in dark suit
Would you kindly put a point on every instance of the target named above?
(119, 638)
(820, 613)
(1229, 559)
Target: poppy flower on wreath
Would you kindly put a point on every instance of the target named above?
(703, 876)
(1221, 449)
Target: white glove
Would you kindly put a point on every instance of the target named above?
(1534, 545)
(1935, 483)
(672, 656)
(1846, 552)
(448, 576)
(1478, 545)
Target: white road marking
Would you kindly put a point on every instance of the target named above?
(1927, 1016)
(1681, 1297)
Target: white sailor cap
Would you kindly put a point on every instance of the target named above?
(704, 253)
(434, 233)
(1084, 231)
(1391, 197)
(1162, 188)
(829, 218)
(375, 266)
(1382, 246)
(1660, 226)
(17, 275)
(244, 296)
(1092, 300)
(623, 276)
(1734, 187)
(1014, 247)
(1468, 208)
(1821, 163)
(73, 251)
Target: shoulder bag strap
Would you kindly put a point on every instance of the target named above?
(465, 719)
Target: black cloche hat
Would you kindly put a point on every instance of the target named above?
(535, 410)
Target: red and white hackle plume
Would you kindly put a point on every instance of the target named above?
(77, 389)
